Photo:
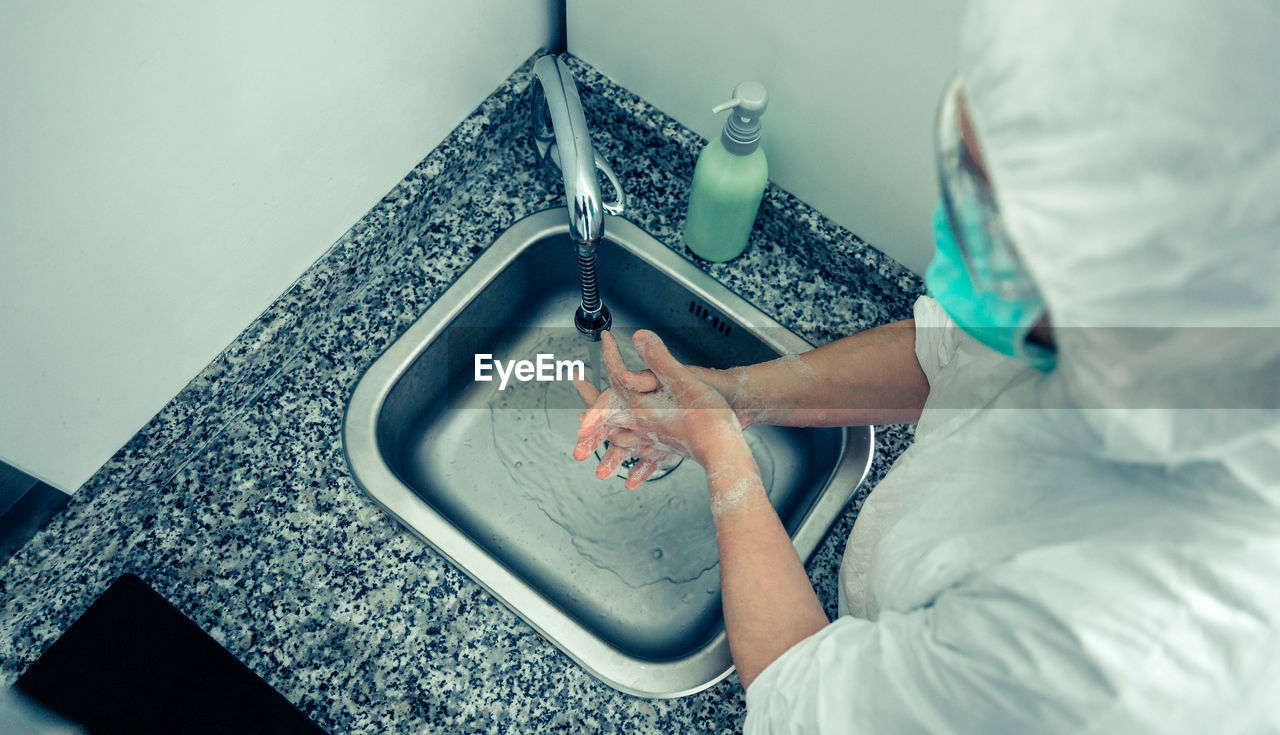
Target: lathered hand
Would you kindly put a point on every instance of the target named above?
(666, 410)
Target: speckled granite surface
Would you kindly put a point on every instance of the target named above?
(234, 502)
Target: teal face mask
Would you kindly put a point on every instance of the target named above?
(1000, 322)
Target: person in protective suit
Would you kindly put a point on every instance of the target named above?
(1085, 534)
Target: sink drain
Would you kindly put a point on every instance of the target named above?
(663, 470)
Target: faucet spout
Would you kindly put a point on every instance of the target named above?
(564, 142)
(573, 152)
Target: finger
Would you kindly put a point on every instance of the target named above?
(613, 365)
(613, 458)
(588, 392)
(642, 381)
(627, 438)
(606, 405)
(587, 444)
(659, 359)
(649, 451)
(595, 427)
(602, 421)
(640, 472)
(591, 420)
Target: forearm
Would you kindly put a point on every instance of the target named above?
(769, 605)
(872, 377)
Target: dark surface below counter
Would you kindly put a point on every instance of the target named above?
(133, 664)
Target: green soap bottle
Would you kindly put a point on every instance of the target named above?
(729, 180)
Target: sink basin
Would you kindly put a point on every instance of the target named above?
(626, 583)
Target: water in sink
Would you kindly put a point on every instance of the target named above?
(662, 531)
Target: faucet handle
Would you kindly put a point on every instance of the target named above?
(619, 204)
(551, 163)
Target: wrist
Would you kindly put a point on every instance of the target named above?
(729, 383)
(722, 448)
(733, 480)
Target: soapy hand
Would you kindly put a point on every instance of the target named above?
(652, 414)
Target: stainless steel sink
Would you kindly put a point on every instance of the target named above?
(625, 583)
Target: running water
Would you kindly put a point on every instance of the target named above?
(595, 365)
(661, 531)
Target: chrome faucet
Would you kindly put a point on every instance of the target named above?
(564, 144)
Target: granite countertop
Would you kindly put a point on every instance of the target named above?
(235, 502)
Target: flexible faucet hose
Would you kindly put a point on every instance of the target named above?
(587, 277)
(592, 316)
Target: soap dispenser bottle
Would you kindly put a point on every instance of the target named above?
(729, 180)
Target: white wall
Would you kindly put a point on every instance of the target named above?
(852, 83)
(168, 169)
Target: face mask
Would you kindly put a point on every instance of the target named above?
(999, 322)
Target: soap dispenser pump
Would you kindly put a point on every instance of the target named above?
(729, 180)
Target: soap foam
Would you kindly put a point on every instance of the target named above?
(749, 400)
(795, 364)
(736, 496)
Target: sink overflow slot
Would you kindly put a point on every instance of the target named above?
(705, 315)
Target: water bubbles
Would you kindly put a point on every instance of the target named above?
(519, 464)
(711, 590)
(657, 553)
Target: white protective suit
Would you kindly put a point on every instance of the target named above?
(1103, 568)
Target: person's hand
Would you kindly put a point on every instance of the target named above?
(652, 414)
(731, 384)
(624, 443)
